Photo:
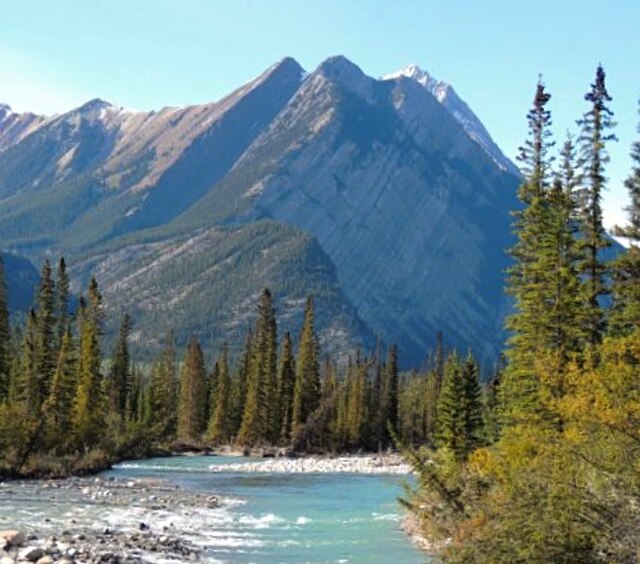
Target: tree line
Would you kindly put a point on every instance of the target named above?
(559, 479)
(66, 406)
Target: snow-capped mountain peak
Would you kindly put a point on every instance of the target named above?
(447, 96)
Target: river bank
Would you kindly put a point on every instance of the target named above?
(124, 534)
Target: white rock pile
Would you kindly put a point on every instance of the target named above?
(367, 464)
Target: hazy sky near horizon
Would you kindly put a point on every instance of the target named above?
(146, 54)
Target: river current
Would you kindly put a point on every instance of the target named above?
(346, 518)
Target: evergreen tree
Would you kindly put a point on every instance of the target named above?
(219, 430)
(596, 125)
(258, 424)
(62, 296)
(625, 313)
(192, 400)
(5, 338)
(307, 387)
(58, 408)
(88, 412)
(46, 349)
(164, 392)
(520, 388)
(119, 382)
(286, 379)
(450, 431)
(472, 407)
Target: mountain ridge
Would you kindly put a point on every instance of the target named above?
(378, 177)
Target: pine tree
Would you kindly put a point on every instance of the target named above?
(560, 319)
(520, 390)
(596, 125)
(307, 387)
(472, 404)
(46, 349)
(58, 408)
(88, 412)
(286, 379)
(5, 338)
(119, 381)
(62, 298)
(258, 424)
(625, 313)
(218, 430)
(192, 400)
(164, 392)
(450, 423)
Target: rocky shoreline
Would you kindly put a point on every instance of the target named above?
(62, 537)
(355, 464)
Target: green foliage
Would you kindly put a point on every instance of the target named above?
(557, 478)
(307, 386)
(192, 403)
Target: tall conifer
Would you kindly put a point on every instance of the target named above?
(596, 125)
(192, 400)
(307, 386)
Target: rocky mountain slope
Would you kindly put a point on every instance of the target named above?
(375, 195)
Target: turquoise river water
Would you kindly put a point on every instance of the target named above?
(293, 517)
(345, 518)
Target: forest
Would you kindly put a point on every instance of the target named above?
(66, 406)
(561, 481)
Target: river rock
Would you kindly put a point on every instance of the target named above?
(45, 560)
(12, 538)
(31, 553)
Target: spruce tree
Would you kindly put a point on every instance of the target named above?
(89, 412)
(450, 423)
(286, 379)
(520, 389)
(5, 338)
(62, 298)
(625, 313)
(164, 392)
(58, 408)
(219, 430)
(307, 387)
(46, 350)
(119, 382)
(596, 127)
(192, 400)
(258, 423)
(472, 404)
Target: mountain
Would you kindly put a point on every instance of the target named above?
(22, 279)
(374, 195)
(447, 96)
(14, 127)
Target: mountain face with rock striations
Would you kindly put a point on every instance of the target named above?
(386, 199)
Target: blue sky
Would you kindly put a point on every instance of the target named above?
(146, 54)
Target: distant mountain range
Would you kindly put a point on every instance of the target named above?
(387, 199)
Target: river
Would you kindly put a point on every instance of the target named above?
(264, 517)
